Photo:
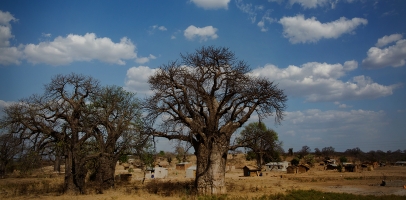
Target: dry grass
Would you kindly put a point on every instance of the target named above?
(273, 185)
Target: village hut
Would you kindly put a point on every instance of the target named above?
(251, 171)
(191, 172)
(276, 166)
(291, 169)
(350, 168)
(331, 167)
(303, 168)
(183, 165)
(157, 172)
(400, 163)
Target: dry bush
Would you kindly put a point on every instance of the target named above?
(170, 188)
(33, 187)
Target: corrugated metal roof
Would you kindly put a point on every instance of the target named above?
(251, 168)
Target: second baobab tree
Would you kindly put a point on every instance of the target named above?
(203, 99)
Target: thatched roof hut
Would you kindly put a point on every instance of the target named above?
(350, 168)
(291, 169)
(183, 165)
(251, 171)
(303, 168)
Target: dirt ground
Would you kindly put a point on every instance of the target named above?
(361, 183)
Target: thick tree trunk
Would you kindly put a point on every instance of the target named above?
(3, 169)
(57, 163)
(211, 167)
(69, 185)
(75, 174)
(259, 160)
(105, 172)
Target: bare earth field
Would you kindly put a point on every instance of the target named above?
(361, 183)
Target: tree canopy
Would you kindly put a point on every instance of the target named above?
(262, 141)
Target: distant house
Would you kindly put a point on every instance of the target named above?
(157, 172)
(191, 172)
(400, 163)
(251, 171)
(183, 165)
(331, 167)
(350, 168)
(303, 168)
(291, 169)
(331, 162)
(277, 166)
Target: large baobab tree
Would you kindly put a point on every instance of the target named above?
(117, 115)
(203, 99)
(58, 116)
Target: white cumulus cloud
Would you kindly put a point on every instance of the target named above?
(211, 4)
(322, 82)
(64, 50)
(205, 33)
(394, 55)
(8, 54)
(385, 40)
(143, 60)
(137, 80)
(301, 30)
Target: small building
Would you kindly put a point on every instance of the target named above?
(251, 171)
(400, 163)
(277, 166)
(291, 169)
(157, 172)
(191, 172)
(351, 168)
(331, 167)
(303, 168)
(331, 162)
(183, 165)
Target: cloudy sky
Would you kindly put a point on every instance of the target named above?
(341, 62)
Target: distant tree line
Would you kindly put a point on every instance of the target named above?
(349, 155)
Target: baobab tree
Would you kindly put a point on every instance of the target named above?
(203, 99)
(88, 122)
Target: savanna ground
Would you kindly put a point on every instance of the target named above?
(317, 182)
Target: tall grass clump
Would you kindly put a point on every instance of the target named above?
(170, 188)
(13, 189)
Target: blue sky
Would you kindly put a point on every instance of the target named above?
(341, 62)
